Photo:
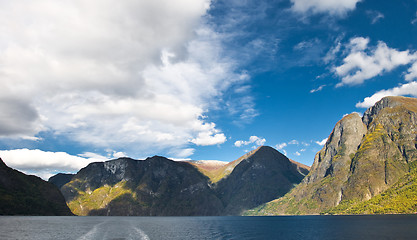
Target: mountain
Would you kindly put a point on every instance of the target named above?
(158, 186)
(152, 187)
(366, 166)
(61, 179)
(258, 177)
(22, 194)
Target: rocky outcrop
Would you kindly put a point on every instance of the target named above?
(22, 194)
(361, 159)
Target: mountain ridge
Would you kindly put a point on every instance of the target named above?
(158, 186)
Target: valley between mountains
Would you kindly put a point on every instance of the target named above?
(367, 166)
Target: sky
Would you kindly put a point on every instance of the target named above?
(84, 81)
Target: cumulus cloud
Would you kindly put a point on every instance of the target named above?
(252, 140)
(45, 164)
(132, 75)
(322, 142)
(333, 7)
(408, 89)
(293, 142)
(364, 62)
(297, 153)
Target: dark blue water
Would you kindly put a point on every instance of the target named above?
(291, 227)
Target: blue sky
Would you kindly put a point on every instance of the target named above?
(192, 79)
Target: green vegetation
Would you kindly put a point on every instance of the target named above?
(400, 198)
(87, 201)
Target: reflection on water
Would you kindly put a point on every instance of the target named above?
(296, 227)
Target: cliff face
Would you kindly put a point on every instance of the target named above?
(361, 159)
(21, 194)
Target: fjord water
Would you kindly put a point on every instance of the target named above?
(289, 227)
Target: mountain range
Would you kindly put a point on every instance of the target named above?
(158, 186)
(367, 166)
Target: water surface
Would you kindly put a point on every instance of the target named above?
(288, 227)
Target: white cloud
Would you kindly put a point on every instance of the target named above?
(403, 90)
(363, 62)
(182, 153)
(375, 16)
(280, 146)
(412, 73)
(294, 142)
(317, 89)
(131, 75)
(119, 154)
(322, 142)
(333, 7)
(297, 153)
(88, 155)
(252, 140)
(45, 164)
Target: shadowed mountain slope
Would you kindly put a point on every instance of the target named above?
(260, 176)
(22, 194)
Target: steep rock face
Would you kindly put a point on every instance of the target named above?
(361, 159)
(260, 176)
(151, 187)
(386, 150)
(336, 154)
(21, 194)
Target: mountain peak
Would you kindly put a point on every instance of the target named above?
(389, 102)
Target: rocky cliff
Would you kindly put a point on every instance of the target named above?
(362, 159)
(21, 194)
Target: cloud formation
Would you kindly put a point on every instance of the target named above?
(131, 75)
(281, 146)
(364, 62)
(258, 141)
(44, 163)
(408, 89)
(317, 89)
(333, 7)
(322, 142)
